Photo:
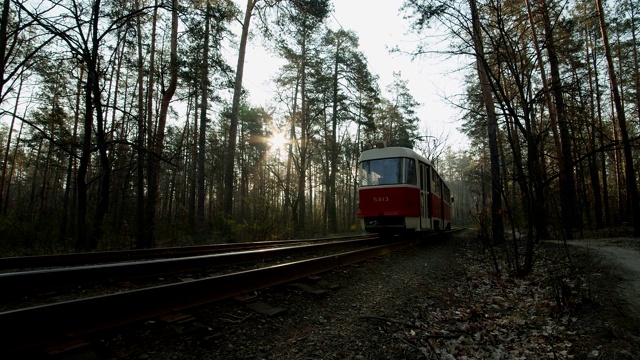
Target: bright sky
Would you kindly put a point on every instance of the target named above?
(379, 25)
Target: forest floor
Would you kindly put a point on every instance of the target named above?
(438, 300)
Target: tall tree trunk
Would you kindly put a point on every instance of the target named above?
(567, 181)
(46, 176)
(119, 130)
(235, 112)
(289, 203)
(168, 92)
(13, 166)
(141, 233)
(156, 142)
(193, 164)
(622, 122)
(71, 165)
(173, 82)
(202, 130)
(85, 157)
(302, 181)
(617, 163)
(542, 232)
(5, 159)
(492, 129)
(152, 161)
(332, 215)
(601, 139)
(636, 62)
(593, 135)
(624, 199)
(101, 138)
(244, 210)
(4, 22)
(92, 90)
(32, 194)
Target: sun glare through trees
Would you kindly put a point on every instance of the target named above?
(277, 142)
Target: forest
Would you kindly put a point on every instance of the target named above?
(123, 124)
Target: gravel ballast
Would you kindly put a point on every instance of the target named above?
(437, 300)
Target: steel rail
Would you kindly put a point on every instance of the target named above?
(76, 259)
(25, 329)
(29, 281)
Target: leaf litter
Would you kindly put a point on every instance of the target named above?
(497, 315)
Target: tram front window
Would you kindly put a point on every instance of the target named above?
(390, 171)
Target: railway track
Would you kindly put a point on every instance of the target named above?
(28, 282)
(103, 257)
(29, 330)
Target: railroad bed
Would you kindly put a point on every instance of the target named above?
(62, 322)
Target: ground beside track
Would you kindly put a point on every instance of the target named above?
(440, 300)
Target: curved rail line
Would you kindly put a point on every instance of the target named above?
(25, 329)
(77, 259)
(28, 281)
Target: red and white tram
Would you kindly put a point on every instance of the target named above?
(400, 191)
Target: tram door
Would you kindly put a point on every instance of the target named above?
(424, 197)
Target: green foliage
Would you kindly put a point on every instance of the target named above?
(396, 122)
(318, 9)
(423, 12)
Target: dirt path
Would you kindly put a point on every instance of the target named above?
(624, 254)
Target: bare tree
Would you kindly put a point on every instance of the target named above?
(235, 108)
(492, 128)
(156, 142)
(622, 123)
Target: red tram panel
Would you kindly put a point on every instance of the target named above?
(389, 201)
(436, 206)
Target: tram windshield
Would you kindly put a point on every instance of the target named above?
(389, 171)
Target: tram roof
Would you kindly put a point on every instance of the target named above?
(391, 152)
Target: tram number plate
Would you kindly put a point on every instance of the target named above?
(380, 198)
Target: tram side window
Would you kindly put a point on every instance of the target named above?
(437, 189)
(388, 172)
(447, 194)
(410, 171)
